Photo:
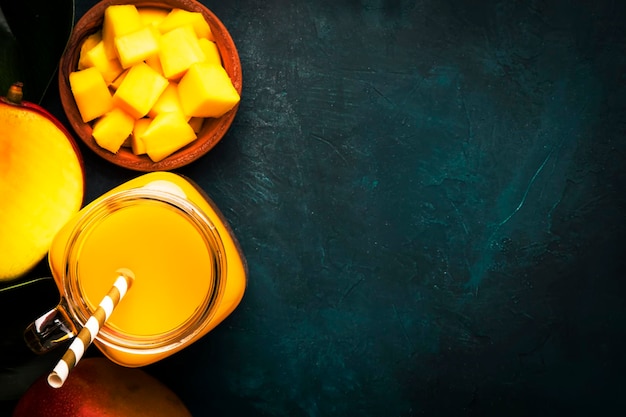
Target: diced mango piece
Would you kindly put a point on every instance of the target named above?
(211, 53)
(178, 50)
(155, 63)
(136, 46)
(111, 130)
(167, 133)
(207, 91)
(167, 102)
(91, 93)
(109, 68)
(118, 20)
(115, 84)
(151, 16)
(139, 90)
(136, 138)
(89, 42)
(196, 123)
(179, 17)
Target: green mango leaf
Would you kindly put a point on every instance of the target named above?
(33, 36)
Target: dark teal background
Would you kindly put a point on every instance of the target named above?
(431, 199)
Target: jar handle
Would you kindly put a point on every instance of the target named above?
(50, 330)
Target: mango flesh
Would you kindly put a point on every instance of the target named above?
(152, 48)
(179, 17)
(41, 186)
(91, 41)
(118, 20)
(91, 93)
(98, 387)
(96, 57)
(139, 90)
(211, 53)
(168, 101)
(206, 91)
(151, 16)
(137, 46)
(178, 50)
(166, 133)
(111, 130)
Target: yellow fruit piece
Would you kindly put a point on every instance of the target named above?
(89, 42)
(151, 16)
(136, 141)
(179, 17)
(115, 84)
(41, 187)
(211, 53)
(111, 130)
(139, 90)
(167, 102)
(207, 91)
(167, 133)
(196, 123)
(136, 46)
(118, 20)
(91, 93)
(155, 63)
(109, 68)
(178, 50)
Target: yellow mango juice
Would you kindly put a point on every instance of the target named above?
(182, 288)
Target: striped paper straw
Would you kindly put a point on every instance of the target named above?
(88, 333)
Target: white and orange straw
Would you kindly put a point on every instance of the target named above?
(88, 333)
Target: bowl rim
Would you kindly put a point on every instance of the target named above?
(89, 23)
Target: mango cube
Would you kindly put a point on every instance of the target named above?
(155, 63)
(115, 84)
(167, 133)
(89, 42)
(196, 123)
(136, 46)
(139, 90)
(136, 138)
(91, 93)
(207, 91)
(179, 17)
(111, 130)
(168, 101)
(178, 50)
(211, 53)
(118, 20)
(109, 68)
(151, 16)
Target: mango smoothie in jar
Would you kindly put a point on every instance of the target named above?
(189, 271)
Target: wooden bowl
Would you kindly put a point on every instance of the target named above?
(212, 130)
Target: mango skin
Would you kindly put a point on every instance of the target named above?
(99, 387)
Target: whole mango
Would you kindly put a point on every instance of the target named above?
(99, 387)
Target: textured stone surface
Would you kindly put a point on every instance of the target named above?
(430, 196)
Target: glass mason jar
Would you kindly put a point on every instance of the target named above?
(190, 273)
